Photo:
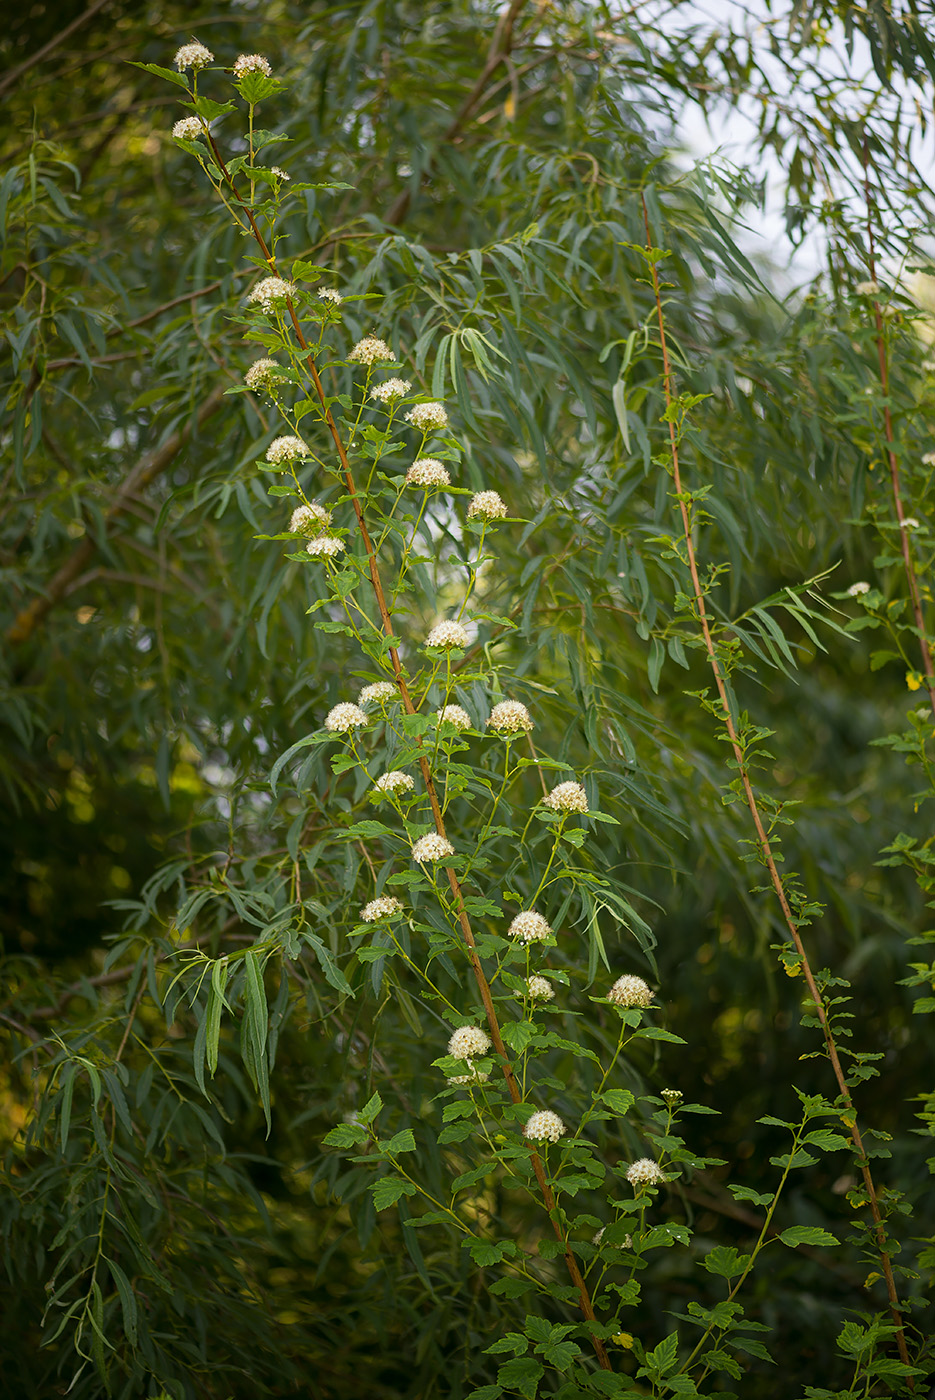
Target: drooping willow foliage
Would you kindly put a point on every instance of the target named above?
(240, 1157)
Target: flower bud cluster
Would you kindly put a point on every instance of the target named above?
(194, 56)
(630, 991)
(370, 350)
(645, 1172)
(252, 63)
(427, 472)
(567, 797)
(510, 717)
(431, 847)
(263, 374)
(379, 693)
(426, 416)
(530, 927)
(309, 520)
(344, 718)
(545, 1126)
(486, 505)
(454, 714)
(390, 389)
(394, 781)
(385, 906)
(286, 449)
(539, 989)
(447, 635)
(468, 1041)
(272, 293)
(188, 129)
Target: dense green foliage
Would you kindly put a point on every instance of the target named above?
(173, 1221)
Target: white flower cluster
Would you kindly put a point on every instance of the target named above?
(432, 847)
(378, 693)
(280, 174)
(486, 505)
(567, 797)
(857, 590)
(928, 459)
(867, 289)
(369, 350)
(544, 1126)
(510, 717)
(427, 471)
(343, 718)
(426, 416)
(252, 63)
(188, 129)
(390, 389)
(194, 56)
(330, 295)
(630, 991)
(530, 927)
(539, 989)
(325, 547)
(271, 292)
(468, 1041)
(910, 523)
(645, 1172)
(286, 449)
(394, 781)
(454, 714)
(310, 519)
(447, 635)
(385, 906)
(262, 374)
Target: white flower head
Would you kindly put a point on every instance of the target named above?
(370, 350)
(309, 520)
(544, 1126)
(379, 693)
(909, 523)
(194, 56)
(271, 293)
(252, 63)
(857, 590)
(262, 374)
(928, 459)
(329, 295)
(475, 1076)
(867, 289)
(431, 847)
(486, 505)
(630, 991)
(567, 797)
(325, 547)
(539, 989)
(510, 717)
(280, 174)
(645, 1172)
(447, 635)
(385, 906)
(344, 718)
(427, 471)
(188, 129)
(286, 449)
(390, 389)
(454, 714)
(468, 1041)
(426, 416)
(394, 781)
(530, 927)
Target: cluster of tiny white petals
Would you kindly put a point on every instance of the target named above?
(271, 292)
(454, 714)
(193, 56)
(567, 797)
(486, 505)
(539, 988)
(867, 289)
(280, 174)
(262, 373)
(910, 523)
(630, 991)
(468, 1041)
(510, 717)
(476, 1076)
(252, 63)
(390, 389)
(286, 449)
(530, 927)
(344, 717)
(310, 519)
(330, 295)
(432, 847)
(325, 547)
(427, 471)
(188, 129)
(383, 907)
(447, 635)
(928, 459)
(394, 781)
(856, 590)
(544, 1126)
(369, 350)
(645, 1172)
(427, 415)
(377, 693)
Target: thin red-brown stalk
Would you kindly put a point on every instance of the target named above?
(464, 922)
(895, 483)
(766, 854)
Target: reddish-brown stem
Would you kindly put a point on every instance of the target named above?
(464, 922)
(765, 850)
(928, 666)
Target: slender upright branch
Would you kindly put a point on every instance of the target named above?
(766, 853)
